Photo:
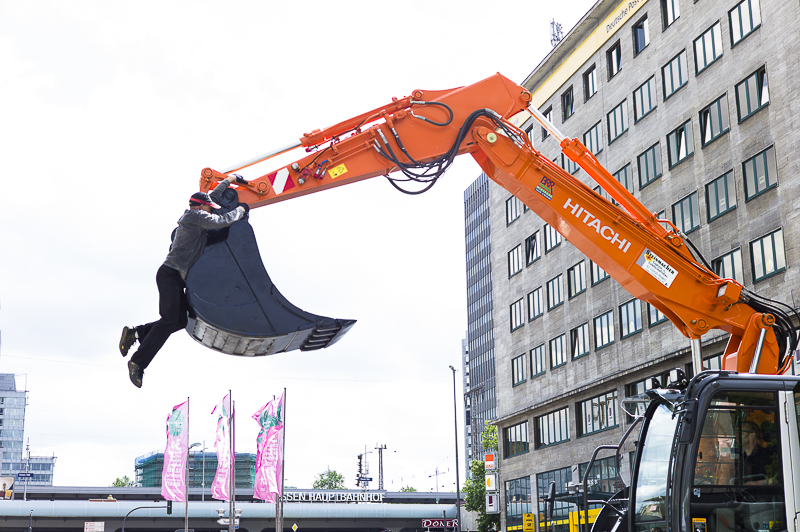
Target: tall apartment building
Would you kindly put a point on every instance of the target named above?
(478, 353)
(693, 106)
(15, 459)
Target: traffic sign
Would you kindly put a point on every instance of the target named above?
(24, 475)
(365, 479)
(227, 521)
(94, 526)
(294, 527)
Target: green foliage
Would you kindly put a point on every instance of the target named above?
(123, 482)
(489, 437)
(475, 491)
(329, 480)
(408, 489)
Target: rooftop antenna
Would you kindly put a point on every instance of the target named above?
(555, 32)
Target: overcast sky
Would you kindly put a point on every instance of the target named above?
(111, 109)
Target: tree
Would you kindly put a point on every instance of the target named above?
(475, 487)
(408, 489)
(329, 480)
(123, 482)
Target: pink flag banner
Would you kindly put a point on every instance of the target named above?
(173, 475)
(269, 447)
(221, 487)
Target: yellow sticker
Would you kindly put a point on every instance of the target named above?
(336, 171)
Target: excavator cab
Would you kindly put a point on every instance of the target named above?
(234, 306)
(717, 455)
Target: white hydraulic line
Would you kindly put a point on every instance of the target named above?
(759, 348)
(697, 355)
(260, 158)
(547, 124)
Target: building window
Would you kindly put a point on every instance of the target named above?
(576, 279)
(515, 440)
(552, 428)
(671, 10)
(517, 314)
(752, 94)
(567, 104)
(729, 266)
(549, 116)
(644, 99)
(760, 173)
(617, 121)
(767, 255)
(537, 360)
(552, 238)
(603, 478)
(744, 18)
(515, 261)
(613, 58)
(714, 120)
(589, 83)
(654, 316)
(707, 47)
(674, 74)
(598, 413)
(518, 370)
(513, 209)
(604, 330)
(561, 508)
(686, 213)
(532, 252)
(641, 36)
(721, 196)
(579, 340)
(569, 165)
(630, 318)
(649, 164)
(518, 501)
(680, 144)
(555, 294)
(535, 304)
(598, 273)
(625, 177)
(591, 139)
(558, 351)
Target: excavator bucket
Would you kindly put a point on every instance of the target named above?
(234, 306)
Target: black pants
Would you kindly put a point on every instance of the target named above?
(173, 309)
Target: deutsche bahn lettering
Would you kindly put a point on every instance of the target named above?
(592, 221)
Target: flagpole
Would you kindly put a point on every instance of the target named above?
(283, 455)
(186, 472)
(231, 423)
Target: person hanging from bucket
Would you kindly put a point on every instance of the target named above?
(188, 244)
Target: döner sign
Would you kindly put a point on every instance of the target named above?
(439, 523)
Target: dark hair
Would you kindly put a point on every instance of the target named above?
(753, 427)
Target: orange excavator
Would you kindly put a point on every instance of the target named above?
(419, 136)
(693, 467)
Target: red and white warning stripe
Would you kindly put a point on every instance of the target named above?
(280, 181)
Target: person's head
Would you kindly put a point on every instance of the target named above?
(750, 434)
(202, 201)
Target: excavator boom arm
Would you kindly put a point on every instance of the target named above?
(421, 135)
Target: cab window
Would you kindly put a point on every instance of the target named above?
(738, 482)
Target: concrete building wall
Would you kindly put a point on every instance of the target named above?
(658, 348)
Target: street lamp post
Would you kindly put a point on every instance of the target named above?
(455, 422)
(186, 515)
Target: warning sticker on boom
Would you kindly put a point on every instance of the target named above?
(336, 171)
(658, 268)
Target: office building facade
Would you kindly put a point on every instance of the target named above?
(16, 457)
(693, 107)
(202, 469)
(478, 350)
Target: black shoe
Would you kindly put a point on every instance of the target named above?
(136, 373)
(127, 340)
